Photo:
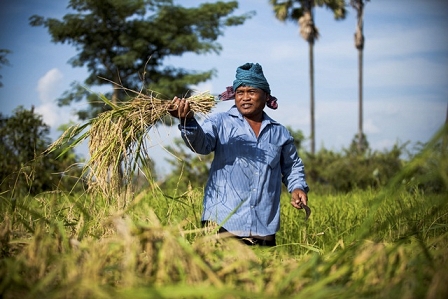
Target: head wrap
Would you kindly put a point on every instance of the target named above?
(249, 74)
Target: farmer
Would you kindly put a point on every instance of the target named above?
(254, 154)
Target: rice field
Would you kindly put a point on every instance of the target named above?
(386, 243)
(366, 244)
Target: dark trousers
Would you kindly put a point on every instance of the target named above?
(250, 240)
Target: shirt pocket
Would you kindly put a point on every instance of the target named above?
(273, 154)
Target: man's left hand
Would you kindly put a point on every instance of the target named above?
(298, 197)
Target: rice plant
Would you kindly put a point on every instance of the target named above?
(117, 137)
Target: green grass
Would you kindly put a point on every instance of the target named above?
(388, 243)
(353, 246)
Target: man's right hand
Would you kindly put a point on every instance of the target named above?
(180, 108)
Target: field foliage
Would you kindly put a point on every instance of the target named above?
(383, 243)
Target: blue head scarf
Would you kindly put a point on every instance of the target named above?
(251, 74)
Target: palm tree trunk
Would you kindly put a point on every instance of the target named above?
(359, 44)
(313, 139)
(360, 109)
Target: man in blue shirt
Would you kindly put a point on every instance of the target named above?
(254, 154)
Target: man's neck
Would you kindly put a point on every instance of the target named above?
(255, 124)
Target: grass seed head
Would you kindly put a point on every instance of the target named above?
(117, 136)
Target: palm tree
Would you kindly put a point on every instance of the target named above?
(358, 5)
(302, 11)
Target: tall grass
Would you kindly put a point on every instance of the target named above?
(390, 243)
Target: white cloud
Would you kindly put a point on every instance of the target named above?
(48, 86)
(53, 115)
(48, 90)
(49, 113)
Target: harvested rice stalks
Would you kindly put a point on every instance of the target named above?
(117, 137)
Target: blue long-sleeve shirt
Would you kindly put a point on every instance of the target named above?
(244, 184)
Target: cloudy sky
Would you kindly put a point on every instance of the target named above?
(405, 69)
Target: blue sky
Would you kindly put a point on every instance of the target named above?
(405, 70)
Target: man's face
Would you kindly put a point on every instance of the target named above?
(250, 101)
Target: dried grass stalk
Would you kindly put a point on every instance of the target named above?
(117, 137)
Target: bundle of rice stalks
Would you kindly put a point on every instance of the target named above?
(117, 137)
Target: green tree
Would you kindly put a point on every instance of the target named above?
(302, 11)
(127, 42)
(333, 172)
(358, 5)
(23, 167)
(358, 146)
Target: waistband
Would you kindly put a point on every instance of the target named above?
(268, 240)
